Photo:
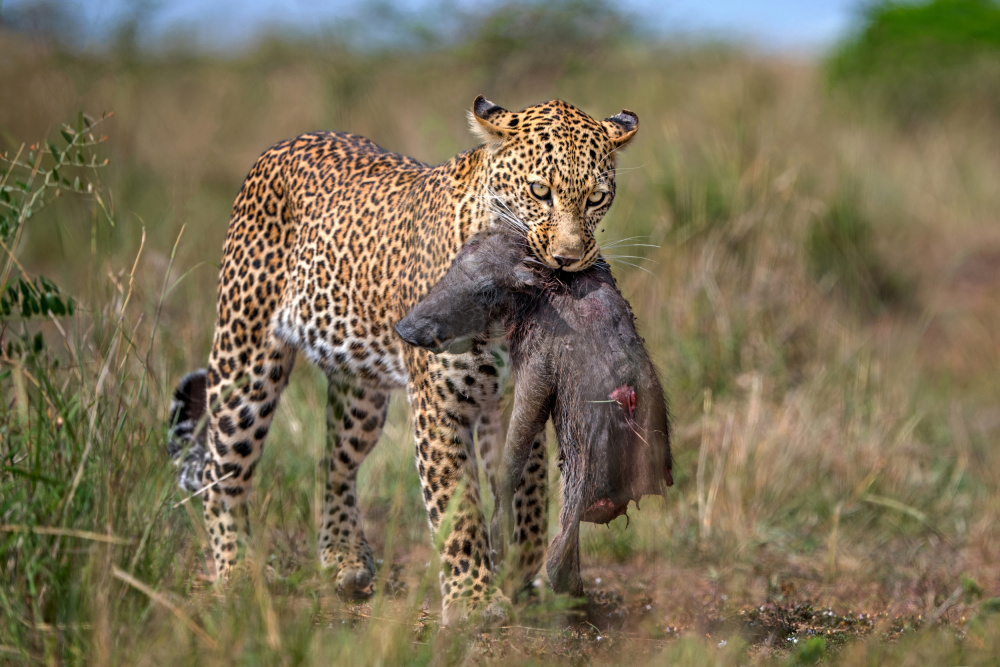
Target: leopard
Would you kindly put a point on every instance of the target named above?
(331, 241)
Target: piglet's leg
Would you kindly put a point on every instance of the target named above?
(521, 516)
(529, 514)
(562, 563)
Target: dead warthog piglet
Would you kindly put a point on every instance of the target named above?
(575, 357)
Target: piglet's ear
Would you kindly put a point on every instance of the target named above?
(492, 123)
(525, 277)
(621, 128)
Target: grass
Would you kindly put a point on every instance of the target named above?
(841, 255)
(816, 285)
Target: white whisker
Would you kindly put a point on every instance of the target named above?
(504, 215)
(641, 268)
(629, 238)
(647, 259)
(621, 170)
(620, 246)
(623, 244)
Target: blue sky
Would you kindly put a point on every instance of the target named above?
(772, 24)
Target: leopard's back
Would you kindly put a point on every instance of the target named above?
(317, 238)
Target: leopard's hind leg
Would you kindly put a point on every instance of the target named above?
(243, 395)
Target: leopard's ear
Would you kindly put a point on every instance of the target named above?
(621, 128)
(490, 122)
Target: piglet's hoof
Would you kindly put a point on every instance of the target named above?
(355, 584)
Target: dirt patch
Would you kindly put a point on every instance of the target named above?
(622, 610)
(980, 272)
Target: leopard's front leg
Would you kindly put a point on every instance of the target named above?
(446, 392)
(354, 419)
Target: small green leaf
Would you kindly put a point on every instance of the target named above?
(56, 305)
(811, 651)
(67, 136)
(991, 606)
(971, 588)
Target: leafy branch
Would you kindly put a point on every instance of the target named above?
(30, 180)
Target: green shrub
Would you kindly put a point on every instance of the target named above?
(923, 59)
(809, 652)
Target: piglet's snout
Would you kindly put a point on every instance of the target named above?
(604, 511)
(407, 332)
(424, 334)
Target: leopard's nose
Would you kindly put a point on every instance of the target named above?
(563, 260)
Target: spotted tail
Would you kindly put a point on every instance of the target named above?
(187, 435)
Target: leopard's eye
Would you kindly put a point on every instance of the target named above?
(596, 198)
(540, 191)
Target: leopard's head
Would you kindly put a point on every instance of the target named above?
(552, 174)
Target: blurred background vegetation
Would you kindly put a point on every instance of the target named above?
(809, 239)
(922, 60)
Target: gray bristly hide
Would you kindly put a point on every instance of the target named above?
(576, 357)
(186, 441)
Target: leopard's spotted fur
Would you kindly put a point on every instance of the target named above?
(332, 239)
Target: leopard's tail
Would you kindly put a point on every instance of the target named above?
(187, 436)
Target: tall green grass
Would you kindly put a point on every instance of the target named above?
(80, 505)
